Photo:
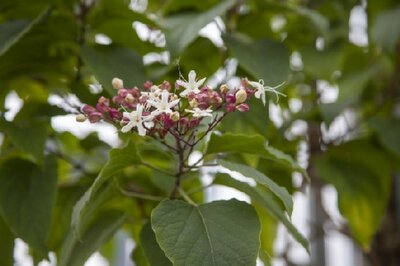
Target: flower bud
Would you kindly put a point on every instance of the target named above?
(129, 98)
(87, 109)
(174, 116)
(95, 117)
(241, 96)
(224, 88)
(80, 118)
(230, 107)
(117, 83)
(193, 103)
(147, 85)
(243, 107)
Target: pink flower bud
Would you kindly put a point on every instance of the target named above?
(194, 122)
(118, 100)
(143, 99)
(230, 97)
(184, 121)
(165, 85)
(147, 85)
(102, 108)
(243, 107)
(115, 114)
(95, 117)
(87, 109)
(122, 93)
(230, 107)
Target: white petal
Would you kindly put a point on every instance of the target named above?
(127, 127)
(192, 76)
(182, 83)
(141, 130)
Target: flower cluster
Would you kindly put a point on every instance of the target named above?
(157, 110)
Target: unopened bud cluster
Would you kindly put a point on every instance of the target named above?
(161, 109)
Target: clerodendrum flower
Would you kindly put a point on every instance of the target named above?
(190, 86)
(197, 112)
(261, 89)
(162, 105)
(136, 119)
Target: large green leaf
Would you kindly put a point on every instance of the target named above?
(266, 201)
(388, 132)
(119, 159)
(260, 178)
(256, 144)
(11, 32)
(108, 62)
(361, 175)
(154, 254)
(6, 245)
(77, 251)
(184, 28)
(386, 28)
(216, 233)
(34, 144)
(27, 194)
(264, 59)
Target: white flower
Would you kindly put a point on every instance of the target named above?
(261, 89)
(162, 105)
(197, 112)
(136, 119)
(192, 85)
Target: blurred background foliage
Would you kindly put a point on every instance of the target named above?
(340, 117)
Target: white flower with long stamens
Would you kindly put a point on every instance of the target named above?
(261, 89)
(136, 119)
(163, 104)
(190, 86)
(197, 112)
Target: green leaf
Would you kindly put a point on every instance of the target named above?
(264, 59)
(34, 144)
(216, 233)
(152, 250)
(27, 195)
(76, 252)
(256, 144)
(108, 62)
(361, 175)
(321, 64)
(266, 201)
(388, 132)
(11, 32)
(184, 28)
(260, 178)
(119, 159)
(6, 245)
(386, 28)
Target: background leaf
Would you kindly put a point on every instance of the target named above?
(27, 194)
